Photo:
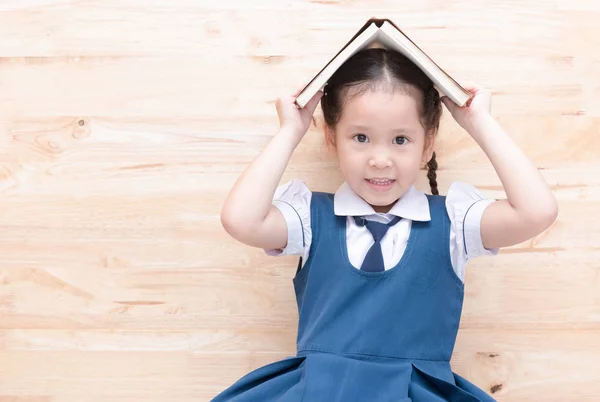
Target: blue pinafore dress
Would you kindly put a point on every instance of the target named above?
(370, 336)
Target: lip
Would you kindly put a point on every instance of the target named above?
(380, 187)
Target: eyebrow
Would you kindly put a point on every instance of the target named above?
(365, 128)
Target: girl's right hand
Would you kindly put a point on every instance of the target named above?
(294, 119)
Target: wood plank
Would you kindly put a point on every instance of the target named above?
(178, 86)
(515, 364)
(96, 286)
(48, 150)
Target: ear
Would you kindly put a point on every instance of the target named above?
(428, 149)
(330, 138)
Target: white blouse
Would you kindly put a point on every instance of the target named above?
(464, 205)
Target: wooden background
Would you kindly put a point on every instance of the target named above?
(123, 124)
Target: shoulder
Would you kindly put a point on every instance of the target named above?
(464, 199)
(463, 193)
(293, 189)
(437, 206)
(297, 195)
(294, 199)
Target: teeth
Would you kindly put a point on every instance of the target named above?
(375, 181)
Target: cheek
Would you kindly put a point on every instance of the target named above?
(408, 161)
(349, 160)
(412, 158)
(346, 161)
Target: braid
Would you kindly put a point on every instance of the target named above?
(432, 106)
(431, 174)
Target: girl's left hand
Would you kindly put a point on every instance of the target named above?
(480, 106)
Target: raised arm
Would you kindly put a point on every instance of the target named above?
(530, 206)
(248, 214)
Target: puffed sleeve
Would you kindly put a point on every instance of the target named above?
(465, 205)
(293, 200)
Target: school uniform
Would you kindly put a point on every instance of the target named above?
(373, 336)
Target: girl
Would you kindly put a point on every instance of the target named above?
(379, 284)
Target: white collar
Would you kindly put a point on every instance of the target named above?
(413, 205)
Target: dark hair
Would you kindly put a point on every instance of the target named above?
(378, 68)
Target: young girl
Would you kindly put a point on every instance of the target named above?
(379, 284)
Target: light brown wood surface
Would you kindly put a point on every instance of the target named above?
(123, 124)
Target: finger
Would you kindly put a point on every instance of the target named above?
(472, 87)
(312, 103)
(450, 105)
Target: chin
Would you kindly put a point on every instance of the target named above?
(378, 198)
(382, 200)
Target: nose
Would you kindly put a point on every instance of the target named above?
(380, 160)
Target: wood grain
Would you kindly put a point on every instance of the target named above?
(124, 123)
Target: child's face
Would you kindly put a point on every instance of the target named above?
(381, 146)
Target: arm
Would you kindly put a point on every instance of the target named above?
(530, 207)
(248, 214)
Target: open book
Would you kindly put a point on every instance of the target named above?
(386, 33)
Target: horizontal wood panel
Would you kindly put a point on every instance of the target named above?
(194, 86)
(97, 286)
(503, 361)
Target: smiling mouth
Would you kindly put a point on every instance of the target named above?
(381, 182)
(380, 185)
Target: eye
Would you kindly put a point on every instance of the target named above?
(400, 140)
(361, 138)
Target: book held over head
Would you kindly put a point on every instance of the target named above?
(382, 32)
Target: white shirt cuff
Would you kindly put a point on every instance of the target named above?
(472, 230)
(295, 243)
